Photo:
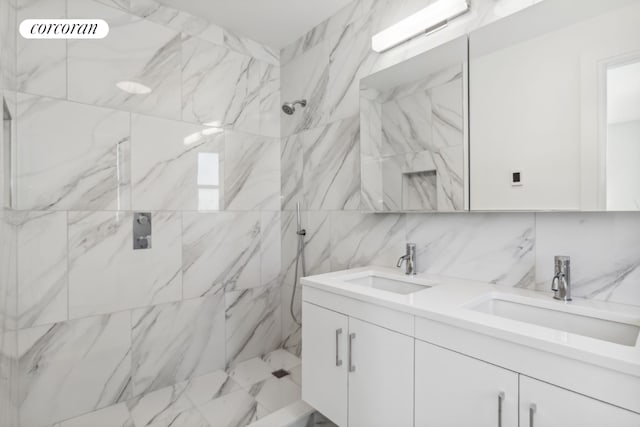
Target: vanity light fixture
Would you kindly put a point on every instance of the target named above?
(133, 88)
(429, 19)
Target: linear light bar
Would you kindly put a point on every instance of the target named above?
(430, 18)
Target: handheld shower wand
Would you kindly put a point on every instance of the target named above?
(300, 262)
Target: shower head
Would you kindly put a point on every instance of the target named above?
(290, 107)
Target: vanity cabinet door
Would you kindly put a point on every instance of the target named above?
(453, 390)
(324, 361)
(545, 405)
(380, 377)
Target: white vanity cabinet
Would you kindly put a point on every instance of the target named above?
(454, 390)
(374, 358)
(381, 381)
(324, 367)
(545, 405)
(355, 373)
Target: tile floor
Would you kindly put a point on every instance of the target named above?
(235, 398)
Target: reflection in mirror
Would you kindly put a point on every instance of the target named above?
(538, 108)
(623, 136)
(208, 181)
(413, 141)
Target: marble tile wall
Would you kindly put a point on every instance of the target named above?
(320, 162)
(8, 235)
(88, 324)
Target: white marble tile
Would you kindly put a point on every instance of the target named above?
(317, 244)
(211, 386)
(407, 124)
(136, 50)
(103, 265)
(371, 123)
(119, 4)
(270, 102)
(371, 186)
(289, 244)
(275, 393)
(174, 342)
(176, 19)
(8, 275)
(8, 336)
(168, 16)
(236, 409)
(8, 41)
(332, 166)
(306, 77)
(270, 248)
(450, 174)
(250, 372)
(74, 367)
(497, 248)
(84, 166)
(351, 59)
(42, 268)
(604, 250)
(447, 112)
(329, 27)
(112, 416)
(291, 167)
(397, 174)
(281, 359)
(253, 323)
(252, 48)
(42, 64)
(252, 172)
(220, 250)
(189, 418)
(358, 240)
(176, 165)
(291, 331)
(220, 87)
(159, 406)
(420, 191)
(295, 49)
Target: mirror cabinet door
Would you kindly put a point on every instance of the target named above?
(413, 133)
(554, 100)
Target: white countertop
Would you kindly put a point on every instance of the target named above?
(449, 299)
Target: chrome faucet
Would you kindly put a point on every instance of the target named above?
(409, 259)
(561, 283)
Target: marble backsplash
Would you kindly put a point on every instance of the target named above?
(508, 249)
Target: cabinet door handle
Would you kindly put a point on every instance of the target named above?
(352, 368)
(532, 411)
(338, 360)
(500, 401)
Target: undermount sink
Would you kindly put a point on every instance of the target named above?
(589, 326)
(387, 284)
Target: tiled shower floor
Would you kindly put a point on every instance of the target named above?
(234, 398)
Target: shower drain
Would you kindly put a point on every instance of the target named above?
(280, 373)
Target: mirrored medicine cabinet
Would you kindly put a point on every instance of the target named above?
(539, 111)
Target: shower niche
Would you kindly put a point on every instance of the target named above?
(413, 133)
(7, 155)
